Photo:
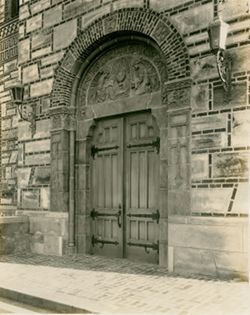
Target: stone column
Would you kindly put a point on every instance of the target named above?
(63, 165)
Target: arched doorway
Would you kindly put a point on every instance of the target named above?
(121, 87)
(75, 116)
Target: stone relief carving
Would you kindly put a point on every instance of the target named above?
(179, 98)
(123, 77)
(122, 72)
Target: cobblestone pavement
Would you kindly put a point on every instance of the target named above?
(103, 285)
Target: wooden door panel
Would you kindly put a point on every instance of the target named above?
(107, 189)
(125, 180)
(141, 189)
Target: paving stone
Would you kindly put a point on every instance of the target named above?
(107, 285)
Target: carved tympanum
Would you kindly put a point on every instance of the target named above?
(120, 73)
(123, 77)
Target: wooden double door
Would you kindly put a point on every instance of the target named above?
(125, 188)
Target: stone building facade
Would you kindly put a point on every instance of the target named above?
(118, 89)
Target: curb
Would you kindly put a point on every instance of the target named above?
(35, 301)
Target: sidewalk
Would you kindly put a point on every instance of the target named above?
(103, 285)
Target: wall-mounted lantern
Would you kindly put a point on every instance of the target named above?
(26, 112)
(217, 32)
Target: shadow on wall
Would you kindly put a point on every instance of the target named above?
(213, 250)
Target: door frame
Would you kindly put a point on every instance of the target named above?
(72, 127)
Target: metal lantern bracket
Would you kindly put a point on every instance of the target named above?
(29, 116)
(17, 94)
(224, 66)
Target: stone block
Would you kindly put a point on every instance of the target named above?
(30, 73)
(37, 159)
(6, 124)
(21, 31)
(211, 200)
(41, 52)
(204, 68)
(238, 96)
(37, 146)
(72, 9)
(198, 49)
(179, 202)
(120, 4)
(30, 199)
(232, 8)
(206, 236)
(89, 17)
(200, 98)
(52, 59)
(42, 129)
(44, 197)
(24, 132)
(41, 176)
(20, 154)
(43, 39)
(211, 122)
(34, 23)
(47, 72)
(24, 12)
(159, 5)
(13, 157)
(230, 165)
(240, 129)
(216, 140)
(10, 66)
(192, 39)
(64, 34)
(193, 261)
(8, 172)
(24, 50)
(52, 16)
(41, 88)
(199, 166)
(193, 19)
(53, 244)
(242, 199)
(240, 58)
(39, 6)
(23, 177)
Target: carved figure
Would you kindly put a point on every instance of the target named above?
(140, 81)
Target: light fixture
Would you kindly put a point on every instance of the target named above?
(26, 112)
(217, 32)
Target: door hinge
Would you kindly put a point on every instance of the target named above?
(153, 246)
(155, 143)
(94, 214)
(154, 216)
(95, 149)
(95, 240)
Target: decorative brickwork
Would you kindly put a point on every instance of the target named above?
(126, 20)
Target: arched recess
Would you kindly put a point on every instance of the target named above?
(72, 122)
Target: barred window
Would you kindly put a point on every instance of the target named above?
(11, 9)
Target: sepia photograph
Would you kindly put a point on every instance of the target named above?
(124, 157)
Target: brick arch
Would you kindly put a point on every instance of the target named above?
(140, 21)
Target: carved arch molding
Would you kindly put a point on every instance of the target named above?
(122, 77)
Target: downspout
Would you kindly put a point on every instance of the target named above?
(71, 219)
(71, 242)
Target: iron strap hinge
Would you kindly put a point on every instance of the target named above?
(95, 149)
(95, 240)
(153, 216)
(155, 143)
(154, 246)
(94, 214)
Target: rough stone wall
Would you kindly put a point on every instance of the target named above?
(8, 76)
